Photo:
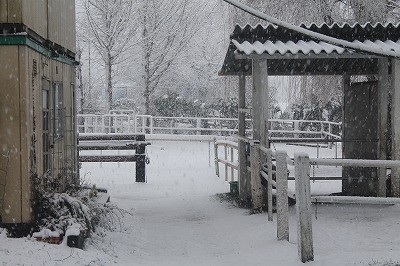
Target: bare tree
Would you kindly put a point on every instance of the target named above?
(167, 28)
(111, 28)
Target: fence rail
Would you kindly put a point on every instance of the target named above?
(277, 184)
(127, 122)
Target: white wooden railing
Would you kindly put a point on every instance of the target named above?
(229, 160)
(126, 121)
(302, 164)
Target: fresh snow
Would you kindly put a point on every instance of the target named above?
(175, 219)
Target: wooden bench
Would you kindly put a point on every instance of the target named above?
(116, 142)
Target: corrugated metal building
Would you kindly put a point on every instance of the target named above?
(37, 114)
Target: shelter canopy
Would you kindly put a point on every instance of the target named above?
(292, 53)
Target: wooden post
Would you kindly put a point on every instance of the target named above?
(260, 102)
(303, 207)
(232, 170)
(383, 88)
(216, 158)
(296, 128)
(226, 159)
(256, 190)
(282, 206)
(141, 161)
(269, 188)
(244, 180)
(198, 126)
(395, 126)
(330, 137)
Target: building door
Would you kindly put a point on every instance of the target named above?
(360, 131)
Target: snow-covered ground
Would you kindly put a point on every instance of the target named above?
(176, 220)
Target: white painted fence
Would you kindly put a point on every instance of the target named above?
(302, 164)
(230, 158)
(126, 121)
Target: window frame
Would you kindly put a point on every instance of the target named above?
(58, 109)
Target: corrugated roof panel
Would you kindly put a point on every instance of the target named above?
(276, 40)
(306, 48)
(282, 48)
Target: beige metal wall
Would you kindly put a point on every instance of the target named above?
(34, 15)
(10, 11)
(22, 74)
(61, 29)
(51, 19)
(10, 130)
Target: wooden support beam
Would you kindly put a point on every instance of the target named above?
(282, 205)
(141, 164)
(395, 126)
(131, 137)
(244, 178)
(303, 207)
(383, 92)
(110, 148)
(269, 188)
(260, 106)
(108, 158)
(256, 189)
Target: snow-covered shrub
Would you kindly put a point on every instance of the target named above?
(77, 213)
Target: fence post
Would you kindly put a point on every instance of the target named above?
(322, 129)
(141, 160)
(226, 159)
(296, 128)
(151, 124)
(303, 207)
(256, 190)
(330, 137)
(232, 170)
(216, 157)
(282, 207)
(198, 126)
(269, 188)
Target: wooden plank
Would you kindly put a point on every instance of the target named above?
(216, 159)
(260, 102)
(244, 180)
(395, 126)
(109, 158)
(97, 147)
(133, 137)
(383, 92)
(282, 206)
(303, 207)
(256, 189)
(269, 188)
(355, 200)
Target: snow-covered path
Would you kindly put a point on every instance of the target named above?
(176, 220)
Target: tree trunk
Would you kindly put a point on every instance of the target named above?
(146, 54)
(109, 81)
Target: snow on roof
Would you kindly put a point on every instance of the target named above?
(285, 48)
(304, 47)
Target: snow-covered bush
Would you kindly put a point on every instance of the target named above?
(78, 212)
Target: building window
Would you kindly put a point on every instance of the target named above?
(46, 126)
(58, 111)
